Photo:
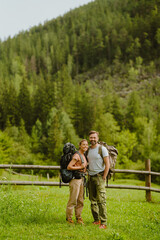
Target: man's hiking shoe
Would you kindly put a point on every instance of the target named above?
(80, 221)
(97, 222)
(102, 226)
(69, 220)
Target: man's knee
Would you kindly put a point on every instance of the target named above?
(101, 197)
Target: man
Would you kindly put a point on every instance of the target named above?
(98, 170)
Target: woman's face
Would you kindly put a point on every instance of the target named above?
(84, 146)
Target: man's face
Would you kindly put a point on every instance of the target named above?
(93, 138)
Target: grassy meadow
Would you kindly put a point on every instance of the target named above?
(38, 212)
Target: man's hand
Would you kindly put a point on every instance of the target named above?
(106, 170)
(104, 177)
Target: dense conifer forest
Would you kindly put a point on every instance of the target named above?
(96, 67)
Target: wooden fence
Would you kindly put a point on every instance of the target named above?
(147, 174)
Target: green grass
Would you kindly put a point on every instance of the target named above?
(38, 213)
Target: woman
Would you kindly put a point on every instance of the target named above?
(76, 186)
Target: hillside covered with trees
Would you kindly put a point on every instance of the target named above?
(96, 67)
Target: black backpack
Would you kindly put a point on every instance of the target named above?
(67, 175)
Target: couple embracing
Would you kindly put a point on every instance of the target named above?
(97, 167)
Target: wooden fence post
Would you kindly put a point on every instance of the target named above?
(48, 176)
(148, 179)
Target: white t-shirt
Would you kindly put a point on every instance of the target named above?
(96, 163)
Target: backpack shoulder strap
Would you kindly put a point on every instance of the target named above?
(86, 153)
(100, 151)
(80, 157)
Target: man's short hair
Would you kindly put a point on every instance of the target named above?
(93, 132)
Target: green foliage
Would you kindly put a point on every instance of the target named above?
(9, 104)
(154, 156)
(146, 133)
(23, 137)
(5, 147)
(66, 88)
(117, 111)
(36, 137)
(55, 138)
(95, 67)
(60, 130)
(158, 36)
(25, 109)
(68, 130)
(12, 152)
(12, 132)
(126, 143)
(133, 110)
(107, 128)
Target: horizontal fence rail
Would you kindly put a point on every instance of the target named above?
(7, 166)
(14, 166)
(38, 183)
(134, 187)
(136, 172)
(147, 174)
(43, 167)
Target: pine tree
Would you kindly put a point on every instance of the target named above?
(55, 140)
(24, 102)
(36, 137)
(9, 106)
(133, 110)
(107, 127)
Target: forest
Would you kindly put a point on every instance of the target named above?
(96, 67)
